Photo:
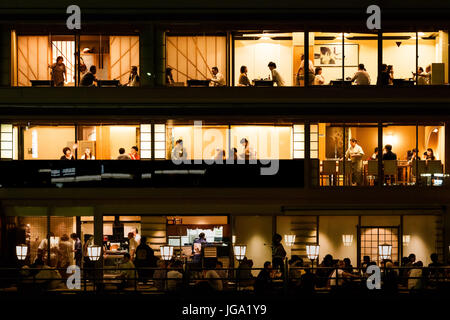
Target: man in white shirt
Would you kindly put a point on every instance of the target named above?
(361, 77)
(217, 80)
(276, 78)
(355, 154)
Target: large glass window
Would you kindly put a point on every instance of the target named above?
(47, 142)
(192, 58)
(38, 59)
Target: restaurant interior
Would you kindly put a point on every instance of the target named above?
(192, 55)
(328, 143)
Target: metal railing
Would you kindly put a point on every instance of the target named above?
(291, 280)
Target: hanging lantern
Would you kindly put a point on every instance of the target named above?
(312, 251)
(239, 252)
(289, 239)
(347, 239)
(406, 239)
(384, 251)
(21, 251)
(166, 252)
(94, 252)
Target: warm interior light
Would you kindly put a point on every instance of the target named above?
(347, 239)
(435, 130)
(166, 252)
(406, 239)
(384, 251)
(21, 251)
(289, 239)
(233, 239)
(312, 251)
(390, 138)
(94, 252)
(239, 252)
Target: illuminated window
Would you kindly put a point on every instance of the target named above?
(146, 141)
(160, 141)
(6, 141)
(372, 237)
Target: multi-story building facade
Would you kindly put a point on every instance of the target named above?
(292, 134)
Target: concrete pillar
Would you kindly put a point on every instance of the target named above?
(5, 56)
(146, 56)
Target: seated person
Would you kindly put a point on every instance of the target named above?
(429, 155)
(122, 155)
(389, 155)
(128, 271)
(361, 77)
(217, 80)
(89, 78)
(174, 276)
(339, 275)
(319, 80)
(374, 156)
(243, 79)
(134, 80)
(263, 282)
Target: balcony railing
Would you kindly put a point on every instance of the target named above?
(143, 173)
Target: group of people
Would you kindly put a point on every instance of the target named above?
(87, 155)
(355, 153)
(179, 152)
(59, 75)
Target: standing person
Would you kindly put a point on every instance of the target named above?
(134, 80)
(301, 71)
(197, 247)
(361, 77)
(169, 77)
(278, 253)
(89, 78)
(58, 72)
(122, 155)
(243, 79)
(355, 154)
(67, 154)
(218, 79)
(390, 72)
(65, 255)
(276, 77)
(132, 245)
(87, 155)
(77, 249)
(319, 80)
(134, 155)
(248, 153)
(145, 258)
(179, 152)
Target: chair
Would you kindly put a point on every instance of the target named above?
(372, 169)
(434, 166)
(418, 168)
(348, 170)
(390, 169)
(328, 169)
